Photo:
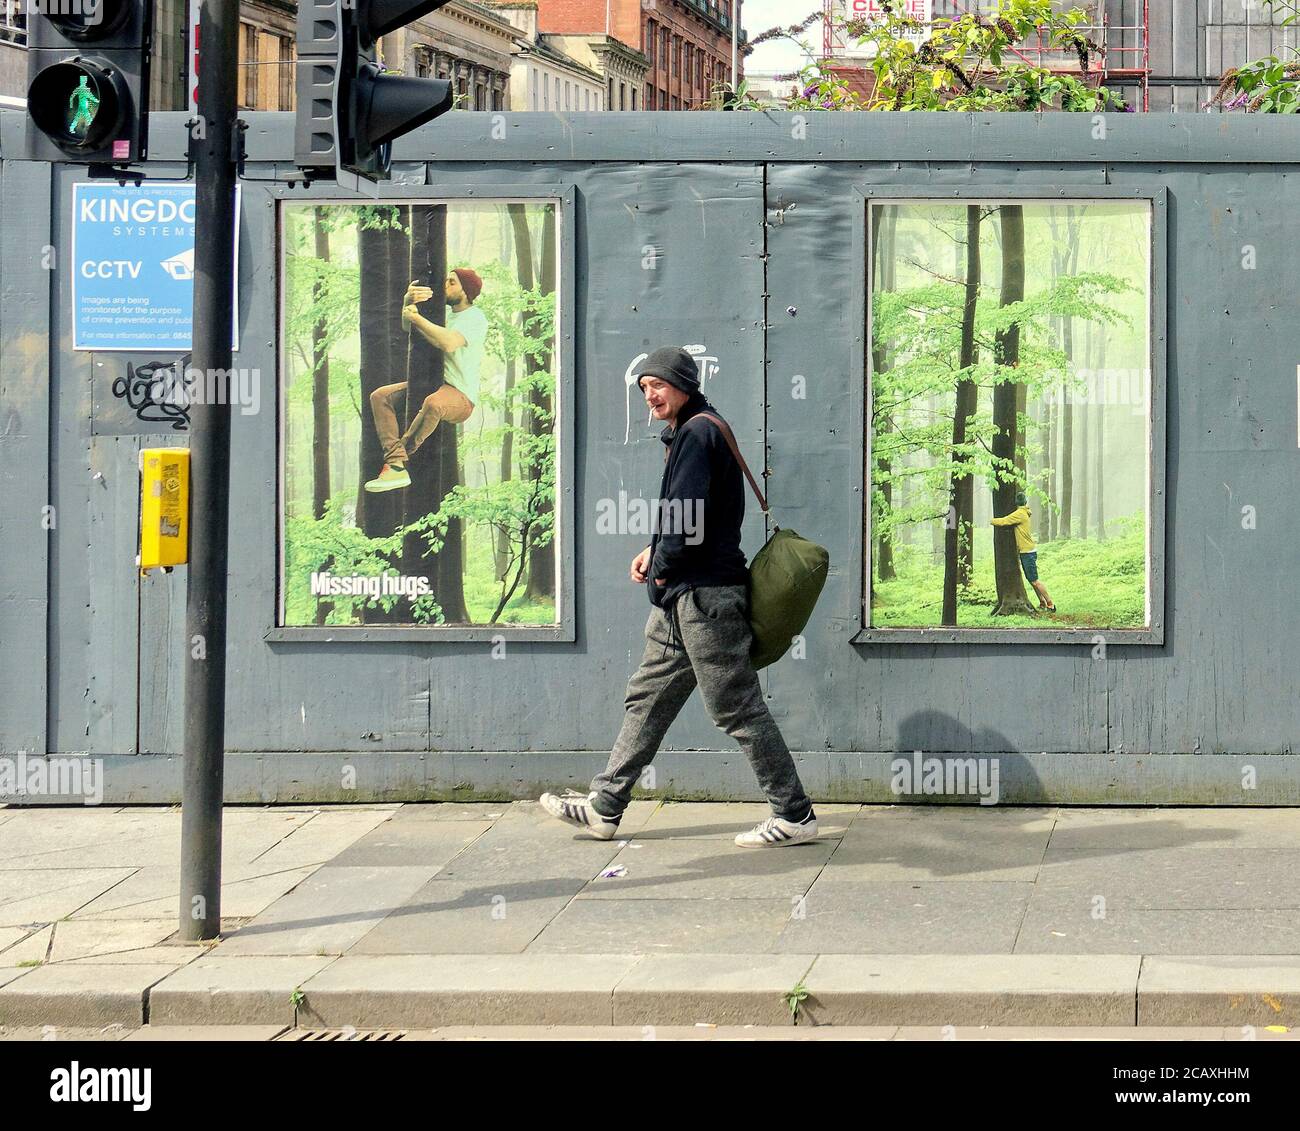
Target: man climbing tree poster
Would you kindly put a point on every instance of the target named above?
(418, 408)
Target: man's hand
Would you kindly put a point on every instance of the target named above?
(640, 564)
(409, 312)
(417, 293)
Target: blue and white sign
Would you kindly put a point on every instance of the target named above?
(133, 267)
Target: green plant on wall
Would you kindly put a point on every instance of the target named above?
(972, 62)
(1269, 85)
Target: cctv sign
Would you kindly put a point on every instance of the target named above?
(133, 267)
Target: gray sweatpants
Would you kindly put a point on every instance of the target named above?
(714, 627)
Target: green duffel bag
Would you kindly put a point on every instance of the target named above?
(785, 577)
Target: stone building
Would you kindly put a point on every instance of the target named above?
(545, 76)
(686, 43)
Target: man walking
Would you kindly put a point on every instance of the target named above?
(461, 340)
(698, 631)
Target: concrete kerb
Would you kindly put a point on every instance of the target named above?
(1247, 991)
(842, 990)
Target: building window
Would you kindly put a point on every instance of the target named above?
(663, 48)
(699, 69)
(649, 41)
(246, 83)
(622, 96)
(546, 92)
(532, 87)
(687, 49)
(634, 98)
(677, 55)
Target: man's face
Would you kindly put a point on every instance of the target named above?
(663, 400)
(455, 292)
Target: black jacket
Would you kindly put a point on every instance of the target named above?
(701, 505)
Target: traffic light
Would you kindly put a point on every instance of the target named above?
(349, 109)
(88, 80)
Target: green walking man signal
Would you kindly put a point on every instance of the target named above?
(83, 104)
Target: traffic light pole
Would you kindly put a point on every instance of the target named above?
(213, 146)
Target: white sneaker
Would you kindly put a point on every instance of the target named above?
(775, 832)
(575, 809)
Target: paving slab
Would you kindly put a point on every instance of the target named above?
(1001, 845)
(84, 939)
(420, 839)
(174, 953)
(936, 917)
(451, 917)
(1112, 830)
(404, 991)
(664, 926)
(206, 1033)
(35, 947)
(721, 989)
(93, 837)
(154, 893)
(711, 820)
(521, 852)
(82, 995)
(973, 989)
(328, 912)
(320, 838)
(701, 868)
(1179, 877)
(233, 991)
(1256, 990)
(9, 973)
(1066, 925)
(40, 895)
(460, 811)
(11, 935)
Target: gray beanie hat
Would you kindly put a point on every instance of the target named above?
(672, 364)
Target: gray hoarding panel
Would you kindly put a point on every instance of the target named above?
(668, 219)
(26, 271)
(556, 140)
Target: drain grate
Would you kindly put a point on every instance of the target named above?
(343, 1035)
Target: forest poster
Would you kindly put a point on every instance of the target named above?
(418, 447)
(1010, 392)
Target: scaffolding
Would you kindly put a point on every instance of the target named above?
(1122, 55)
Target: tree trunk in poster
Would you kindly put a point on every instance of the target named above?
(1011, 598)
(433, 466)
(541, 559)
(956, 549)
(885, 275)
(376, 513)
(320, 396)
(523, 248)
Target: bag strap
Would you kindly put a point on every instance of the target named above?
(727, 435)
